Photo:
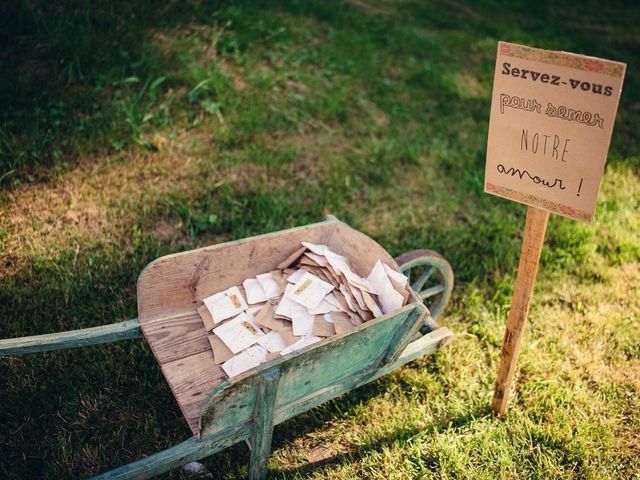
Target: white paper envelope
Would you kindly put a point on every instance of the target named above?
(323, 307)
(225, 304)
(357, 281)
(338, 263)
(341, 265)
(269, 285)
(239, 333)
(285, 305)
(389, 299)
(302, 321)
(250, 358)
(309, 291)
(397, 277)
(255, 293)
(317, 249)
(297, 275)
(273, 341)
(303, 342)
(333, 300)
(371, 303)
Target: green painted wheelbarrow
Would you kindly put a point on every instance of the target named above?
(223, 412)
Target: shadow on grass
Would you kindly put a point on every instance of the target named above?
(80, 78)
(378, 444)
(73, 79)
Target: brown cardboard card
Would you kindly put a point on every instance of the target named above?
(206, 317)
(288, 272)
(221, 352)
(288, 336)
(332, 276)
(345, 294)
(322, 327)
(291, 259)
(273, 356)
(320, 260)
(363, 316)
(305, 260)
(552, 114)
(341, 322)
(265, 318)
(318, 271)
(357, 294)
(281, 280)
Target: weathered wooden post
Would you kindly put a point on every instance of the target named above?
(534, 230)
(552, 115)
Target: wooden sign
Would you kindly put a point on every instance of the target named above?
(552, 115)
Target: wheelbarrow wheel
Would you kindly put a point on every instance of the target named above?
(430, 277)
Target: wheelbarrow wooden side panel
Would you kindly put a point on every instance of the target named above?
(197, 448)
(170, 289)
(314, 372)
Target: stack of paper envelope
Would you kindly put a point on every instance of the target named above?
(314, 294)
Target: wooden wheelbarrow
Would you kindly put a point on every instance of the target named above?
(223, 412)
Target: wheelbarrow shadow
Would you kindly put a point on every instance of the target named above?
(320, 456)
(297, 433)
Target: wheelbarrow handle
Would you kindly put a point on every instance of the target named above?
(71, 339)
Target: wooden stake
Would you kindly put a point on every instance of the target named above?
(534, 230)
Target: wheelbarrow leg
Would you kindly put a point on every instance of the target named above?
(263, 425)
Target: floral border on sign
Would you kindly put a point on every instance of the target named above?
(588, 64)
(540, 202)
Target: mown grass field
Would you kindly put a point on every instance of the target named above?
(134, 129)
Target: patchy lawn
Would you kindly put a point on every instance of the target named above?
(135, 129)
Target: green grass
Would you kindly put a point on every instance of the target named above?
(135, 129)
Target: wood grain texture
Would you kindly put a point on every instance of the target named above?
(310, 371)
(196, 449)
(176, 337)
(402, 336)
(192, 379)
(171, 288)
(534, 231)
(72, 339)
(423, 346)
(263, 424)
(188, 451)
(174, 284)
